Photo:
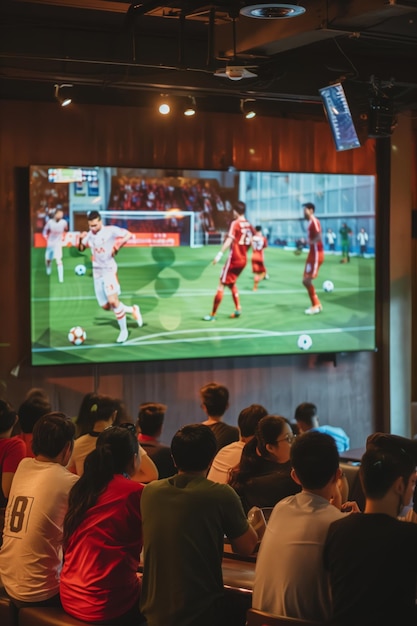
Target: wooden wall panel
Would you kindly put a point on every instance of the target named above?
(45, 133)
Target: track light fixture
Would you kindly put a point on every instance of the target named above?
(164, 107)
(247, 108)
(63, 94)
(190, 109)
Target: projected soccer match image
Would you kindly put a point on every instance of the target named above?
(135, 264)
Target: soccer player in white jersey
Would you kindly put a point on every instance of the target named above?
(105, 242)
(54, 233)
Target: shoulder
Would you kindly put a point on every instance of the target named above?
(13, 444)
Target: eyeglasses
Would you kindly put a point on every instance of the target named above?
(288, 438)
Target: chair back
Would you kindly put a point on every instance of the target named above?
(261, 618)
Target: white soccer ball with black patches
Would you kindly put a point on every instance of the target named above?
(80, 269)
(304, 342)
(328, 286)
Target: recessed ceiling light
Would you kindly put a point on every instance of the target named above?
(272, 11)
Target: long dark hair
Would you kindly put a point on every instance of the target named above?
(113, 453)
(255, 452)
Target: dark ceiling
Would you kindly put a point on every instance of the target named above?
(114, 52)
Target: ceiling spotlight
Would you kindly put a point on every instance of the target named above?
(63, 94)
(247, 108)
(190, 109)
(272, 10)
(164, 107)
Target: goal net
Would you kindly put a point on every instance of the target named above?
(183, 228)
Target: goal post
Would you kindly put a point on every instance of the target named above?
(185, 228)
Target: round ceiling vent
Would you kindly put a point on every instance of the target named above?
(272, 11)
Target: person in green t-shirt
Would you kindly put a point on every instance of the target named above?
(345, 234)
(184, 520)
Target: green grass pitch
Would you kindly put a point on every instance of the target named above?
(174, 288)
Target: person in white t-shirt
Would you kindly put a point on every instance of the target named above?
(54, 233)
(229, 456)
(290, 578)
(105, 242)
(31, 555)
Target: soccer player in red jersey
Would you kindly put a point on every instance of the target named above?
(237, 241)
(259, 243)
(314, 259)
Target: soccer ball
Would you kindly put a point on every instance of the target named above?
(77, 335)
(80, 270)
(304, 342)
(328, 286)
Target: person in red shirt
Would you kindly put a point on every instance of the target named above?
(259, 243)
(237, 241)
(103, 534)
(314, 259)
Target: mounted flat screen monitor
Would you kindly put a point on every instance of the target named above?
(339, 117)
(177, 222)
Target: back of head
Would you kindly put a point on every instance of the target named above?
(51, 433)
(215, 398)
(387, 441)
(306, 412)
(118, 445)
(151, 417)
(380, 468)
(249, 418)
(193, 448)
(123, 415)
(33, 407)
(103, 408)
(84, 419)
(315, 459)
(8, 416)
(239, 207)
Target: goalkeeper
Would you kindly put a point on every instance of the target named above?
(237, 242)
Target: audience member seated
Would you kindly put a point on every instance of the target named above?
(150, 421)
(146, 469)
(263, 476)
(31, 555)
(290, 578)
(103, 535)
(103, 413)
(185, 519)
(34, 406)
(307, 419)
(228, 457)
(215, 402)
(372, 556)
(12, 451)
(84, 421)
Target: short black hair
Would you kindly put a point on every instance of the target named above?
(380, 468)
(239, 207)
(315, 459)
(32, 409)
(215, 398)
(193, 448)
(7, 416)
(305, 412)
(93, 215)
(309, 205)
(258, 229)
(151, 417)
(51, 433)
(249, 418)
